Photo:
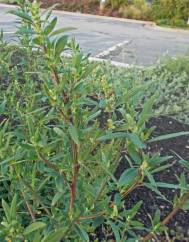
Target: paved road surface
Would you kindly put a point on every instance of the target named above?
(97, 34)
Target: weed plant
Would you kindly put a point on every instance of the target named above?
(64, 129)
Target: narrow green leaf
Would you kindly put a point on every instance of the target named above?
(161, 168)
(168, 136)
(117, 200)
(82, 233)
(49, 10)
(168, 185)
(21, 14)
(154, 189)
(2, 106)
(150, 178)
(58, 131)
(74, 134)
(36, 41)
(157, 217)
(186, 205)
(13, 207)
(49, 28)
(98, 221)
(185, 163)
(60, 45)
(135, 90)
(56, 198)
(93, 116)
(131, 136)
(33, 227)
(128, 176)
(134, 154)
(55, 236)
(61, 30)
(115, 231)
(146, 112)
(136, 140)
(111, 136)
(6, 209)
(133, 211)
(37, 237)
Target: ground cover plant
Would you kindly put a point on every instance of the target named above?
(76, 146)
(170, 78)
(174, 12)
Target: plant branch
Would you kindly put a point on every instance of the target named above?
(29, 208)
(169, 217)
(75, 175)
(103, 185)
(131, 188)
(55, 168)
(36, 197)
(92, 216)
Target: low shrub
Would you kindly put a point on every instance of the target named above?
(131, 12)
(170, 78)
(178, 22)
(65, 127)
(139, 9)
(175, 11)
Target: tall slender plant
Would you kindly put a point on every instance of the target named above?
(63, 134)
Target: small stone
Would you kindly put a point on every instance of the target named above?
(179, 229)
(172, 232)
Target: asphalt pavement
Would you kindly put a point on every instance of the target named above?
(132, 42)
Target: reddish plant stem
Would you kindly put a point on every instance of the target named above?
(136, 184)
(55, 74)
(92, 216)
(170, 216)
(132, 188)
(74, 176)
(29, 208)
(35, 196)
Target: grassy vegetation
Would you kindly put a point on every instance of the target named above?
(173, 13)
(170, 77)
(65, 126)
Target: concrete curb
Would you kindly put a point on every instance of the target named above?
(113, 63)
(7, 5)
(140, 22)
(112, 50)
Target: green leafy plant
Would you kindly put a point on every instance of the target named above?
(65, 128)
(171, 12)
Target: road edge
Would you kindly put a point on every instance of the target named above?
(132, 21)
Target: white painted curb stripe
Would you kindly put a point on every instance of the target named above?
(113, 63)
(8, 32)
(112, 50)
